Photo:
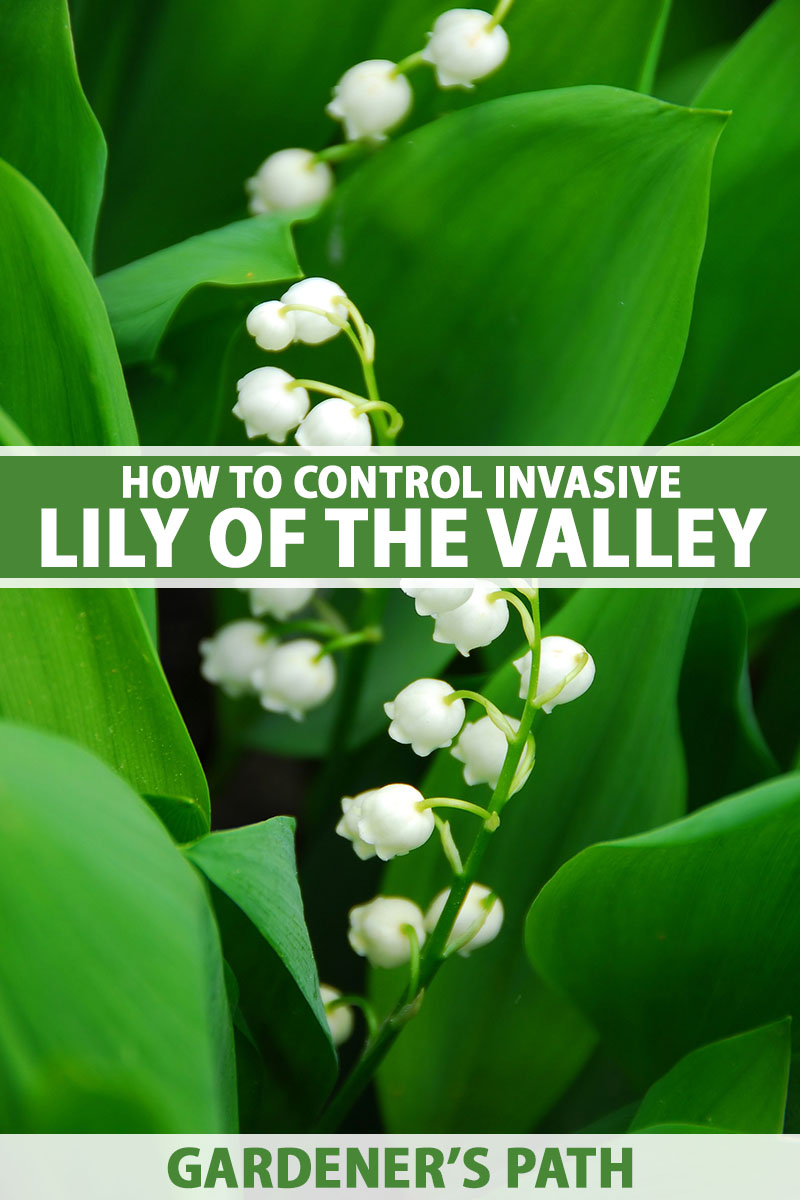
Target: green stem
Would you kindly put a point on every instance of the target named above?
(492, 711)
(395, 420)
(413, 963)
(344, 641)
(449, 845)
(343, 151)
(408, 63)
(360, 1002)
(433, 953)
(328, 389)
(463, 806)
(525, 616)
(453, 947)
(502, 9)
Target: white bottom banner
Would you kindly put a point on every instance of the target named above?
(665, 1167)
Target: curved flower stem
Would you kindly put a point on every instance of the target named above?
(491, 818)
(487, 904)
(328, 389)
(413, 963)
(527, 623)
(360, 1002)
(448, 845)
(501, 10)
(342, 151)
(373, 633)
(417, 59)
(395, 420)
(492, 711)
(433, 952)
(558, 689)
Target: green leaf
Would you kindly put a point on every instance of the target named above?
(264, 935)
(681, 936)
(610, 762)
(772, 419)
(113, 1015)
(81, 663)
(47, 129)
(744, 327)
(60, 378)
(143, 297)
(572, 312)
(724, 746)
(737, 1085)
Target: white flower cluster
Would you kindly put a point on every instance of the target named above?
(271, 402)
(381, 930)
(374, 97)
(244, 658)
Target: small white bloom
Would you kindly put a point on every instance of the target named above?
(294, 679)
(278, 602)
(335, 422)
(376, 930)
(323, 294)
(430, 601)
(422, 717)
(348, 825)
(475, 623)
(392, 819)
(463, 47)
(268, 403)
(289, 179)
(482, 748)
(482, 911)
(271, 325)
(339, 1017)
(559, 658)
(370, 99)
(233, 653)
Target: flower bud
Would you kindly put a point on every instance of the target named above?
(423, 718)
(430, 601)
(294, 679)
(463, 46)
(481, 910)
(289, 179)
(315, 292)
(339, 1016)
(559, 657)
(475, 623)
(392, 819)
(233, 653)
(335, 422)
(482, 748)
(268, 403)
(278, 602)
(272, 327)
(370, 99)
(377, 933)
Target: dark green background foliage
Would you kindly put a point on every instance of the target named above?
(595, 246)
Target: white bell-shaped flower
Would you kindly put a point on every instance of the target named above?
(271, 325)
(295, 678)
(464, 46)
(371, 99)
(559, 658)
(268, 403)
(339, 1016)
(477, 622)
(423, 717)
(335, 422)
(392, 819)
(431, 601)
(322, 294)
(482, 748)
(377, 930)
(278, 602)
(289, 179)
(481, 910)
(347, 826)
(233, 653)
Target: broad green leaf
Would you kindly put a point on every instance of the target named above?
(47, 129)
(10, 432)
(80, 662)
(764, 605)
(693, 28)
(737, 1085)
(142, 297)
(744, 327)
(609, 762)
(681, 936)
(772, 419)
(168, 116)
(148, 604)
(724, 746)
(528, 265)
(113, 1015)
(60, 378)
